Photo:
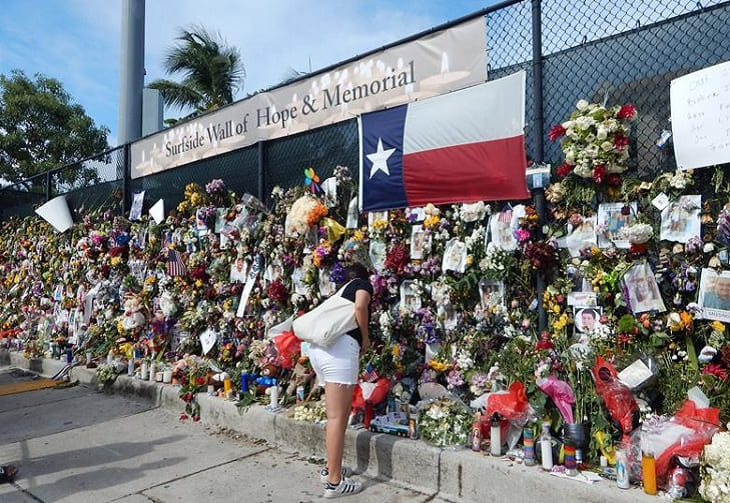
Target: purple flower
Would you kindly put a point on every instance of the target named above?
(454, 378)
(694, 244)
(215, 186)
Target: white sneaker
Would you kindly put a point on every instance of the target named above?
(346, 487)
(324, 473)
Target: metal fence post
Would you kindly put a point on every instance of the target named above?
(48, 178)
(539, 153)
(262, 171)
(126, 197)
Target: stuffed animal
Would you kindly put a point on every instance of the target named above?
(133, 318)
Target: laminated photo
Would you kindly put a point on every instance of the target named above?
(297, 278)
(419, 242)
(409, 297)
(641, 290)
(587, 319)
(714, 295)
(612, 217)
(239, 269)
(501, 232)
(581, 236)
(454, 256)
(491, 292)
(377, 254)
(326, 287)
(681, 219)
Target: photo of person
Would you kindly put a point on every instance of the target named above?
(500, 230)
(581, 236)
(454, 256)
(641, 289)
(326, 287)
(418, 242)
(377, 254)
(220, 219)
(451, 318)
(587, 319)
(681, 219)
(491, 292)
(239, 269)
(376, 216)
(612, 217)
(273, 272)
(297, 279)
(409, 297)
(200, 225)
(714, 294)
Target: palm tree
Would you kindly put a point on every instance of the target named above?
(212, 72)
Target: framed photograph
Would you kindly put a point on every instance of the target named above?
(419, 242)
(587, 319)
(454, 256)
(326, 287)
(612, 217)
(377, 254)
(409, 297)
(376, 216)
(220, 219)
(641, 290)
(200, 226)
(581, 236)
(681, 219)
(491, 292)
(273, 272)
(501, 232)
(714, 295)
(239, 270)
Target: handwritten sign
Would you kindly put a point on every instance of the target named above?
(700, 104)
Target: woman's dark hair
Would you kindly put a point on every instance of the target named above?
(356, 271)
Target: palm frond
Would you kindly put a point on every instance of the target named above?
(177, 95)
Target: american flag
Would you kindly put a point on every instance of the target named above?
(505, 216)
(370, 374)
(175, 264)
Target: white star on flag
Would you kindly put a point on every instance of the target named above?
(379, 158)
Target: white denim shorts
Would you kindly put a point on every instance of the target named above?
(339, 363)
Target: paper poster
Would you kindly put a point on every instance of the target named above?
(135, 212)
(700, 103)
(714, 295)
(207, 340)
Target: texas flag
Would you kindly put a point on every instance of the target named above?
(462, 147)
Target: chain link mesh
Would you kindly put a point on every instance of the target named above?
(618, 52)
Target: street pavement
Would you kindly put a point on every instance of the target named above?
(79, 445)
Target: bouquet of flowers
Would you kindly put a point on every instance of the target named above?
(596, 141)
(445, 422)
(715, 469)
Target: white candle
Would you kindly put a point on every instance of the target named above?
(153, 371)
(274, 397)
(546, 450)
(144, 370)
(167, 376)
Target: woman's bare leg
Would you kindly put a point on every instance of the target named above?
(338, 398)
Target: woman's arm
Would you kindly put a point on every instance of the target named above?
(362, 301)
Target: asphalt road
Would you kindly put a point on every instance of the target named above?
(79, 445)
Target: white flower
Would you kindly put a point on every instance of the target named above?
(602, 133)
(582, 105)
(570, 156)
(708, 248)
(607, 146)
(585, 122)
(637, 233)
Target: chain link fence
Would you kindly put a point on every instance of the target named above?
(617, 52)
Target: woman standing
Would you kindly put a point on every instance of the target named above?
(337, 368)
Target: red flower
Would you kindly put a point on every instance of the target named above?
(556, 132)
(626, 210)
(613, 179)
(397, 259)
(715, 369)
(628, 111)
(564, 170)
(196, 418)
(637, 249)
(199, 380)
(620, 141)
(599, 173)
(183, 417)
(278, 292)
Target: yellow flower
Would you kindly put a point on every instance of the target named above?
(116, 260)
(556, 309)
(396, 351)
(431, 221)
(469, 260)
(198, 283)
(358, 235)
(595, 251)
(438, 366)
(718, 326)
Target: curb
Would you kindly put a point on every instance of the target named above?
(450, 474)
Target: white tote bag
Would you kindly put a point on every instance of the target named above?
(324, 324)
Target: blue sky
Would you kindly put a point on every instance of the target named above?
(77, 41)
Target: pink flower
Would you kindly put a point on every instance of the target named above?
(522, 235)
(715, 369)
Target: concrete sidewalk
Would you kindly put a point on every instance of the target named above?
(445, 474)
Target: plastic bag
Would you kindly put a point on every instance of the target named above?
(288, 346)
(561, 394)
(684, 434)
(514, 409)
(617, 396)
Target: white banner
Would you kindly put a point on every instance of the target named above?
(700, 104)
(435, 64)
